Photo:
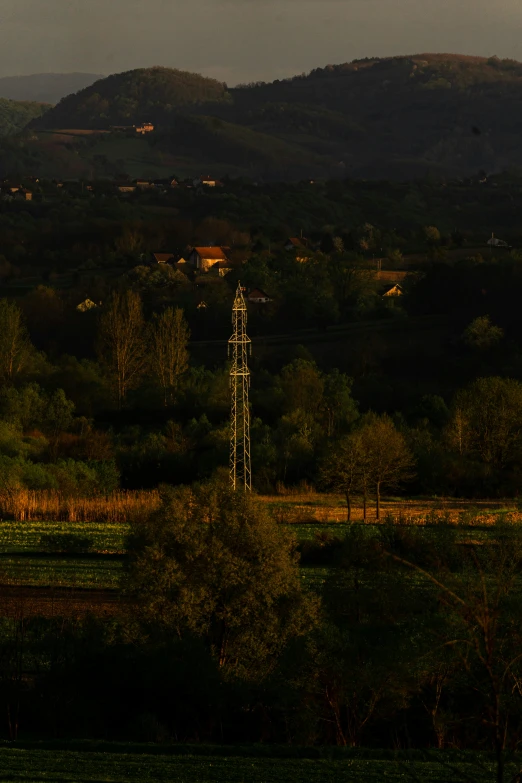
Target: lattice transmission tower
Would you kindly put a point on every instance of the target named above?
(239, 346)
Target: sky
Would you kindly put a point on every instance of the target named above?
(238, 41)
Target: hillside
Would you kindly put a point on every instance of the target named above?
(145, 94)
(44, 87)
(398, 118)
(15, 115)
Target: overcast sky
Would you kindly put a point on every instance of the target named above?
(245, 40)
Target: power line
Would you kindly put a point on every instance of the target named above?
(239, 347)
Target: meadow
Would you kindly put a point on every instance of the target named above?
(81, 543)
(203, 764)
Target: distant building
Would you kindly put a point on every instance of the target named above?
(495, 242)
(168, 182)
(203, 258)
(220, 268)
(163, 258)
(144, 184)
(209, 182)
(296, 243)
(298, 246)
(395, 290)
(145, 127)
(126, 188)
(257, 296)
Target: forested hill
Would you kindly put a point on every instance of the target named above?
(145, 94)
(15, 115)
(400, 117)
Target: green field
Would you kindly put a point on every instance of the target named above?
(91, 555)
(227, 765)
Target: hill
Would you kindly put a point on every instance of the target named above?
(146, 94)
(15, 115)
(399, 118)
(44, 87)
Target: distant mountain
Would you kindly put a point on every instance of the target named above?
(16, 115)
(397, 117)
(45, 87)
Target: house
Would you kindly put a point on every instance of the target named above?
(257, 296)
(163, 258)
(169, 182)
(395, 290)
(209, 182)
(294, 243)
(202, 306)
(220, 268)
(143, 183)
(495, 242)
(298, 246)
(126, 188)
(22, 194)
(145, 127)
(205, 257)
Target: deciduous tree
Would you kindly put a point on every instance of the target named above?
(122, 343)
(15, 345)
(390, 461)
(214, 564)
(169, 335)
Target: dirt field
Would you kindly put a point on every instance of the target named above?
(17, 602)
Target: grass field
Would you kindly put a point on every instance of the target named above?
(226, 765)
(85, 549)
(90, 554)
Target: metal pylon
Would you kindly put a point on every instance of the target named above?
(239, 347)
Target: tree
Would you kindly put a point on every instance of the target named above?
(213, 564)
(15, 345)
(486, 422)
(122, 343)
(345, 469)
(302, 386)
(481, 334)
(480, 624)
(431, 235)
(338, 404)
(390, 461)
(169, 335)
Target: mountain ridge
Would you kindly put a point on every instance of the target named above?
(393, 117)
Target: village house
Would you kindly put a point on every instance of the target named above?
(395, 290)
(145, 127)
(163, 258)
(298, 246)
(220, 268)
(169, 182)
(257, 296)
(203, 258)
(126, 188)
(143, 184)
(209, 182)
